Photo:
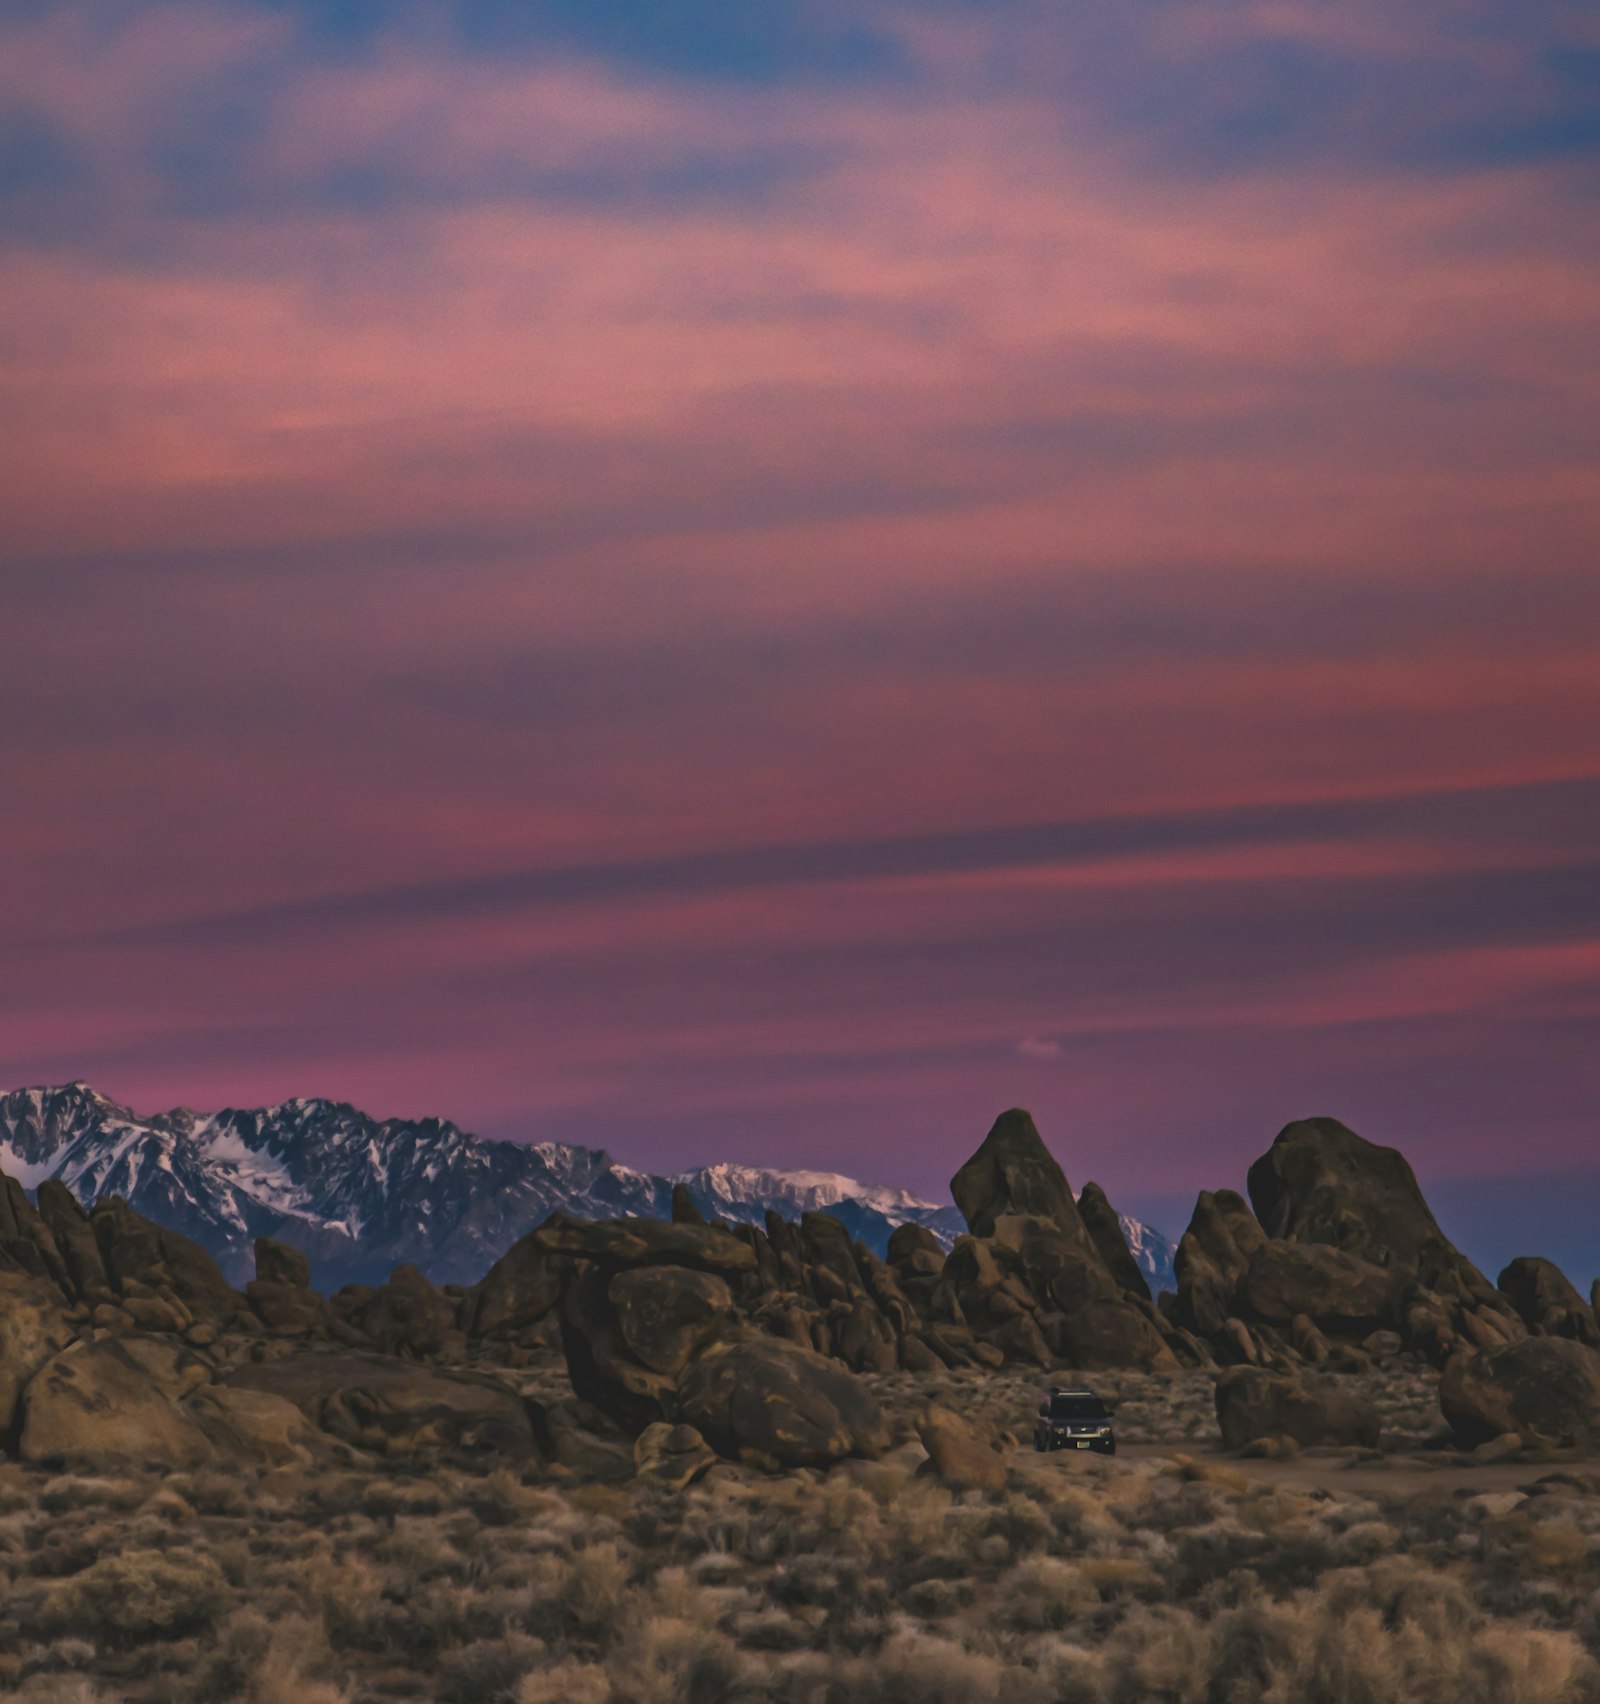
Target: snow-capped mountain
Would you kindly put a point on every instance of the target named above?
(360, 1194)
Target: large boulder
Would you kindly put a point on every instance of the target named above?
(95, 1405)
(1013, 1172)
(1105, 1232)
(256, 1427)
(776, 1405)
(278, 1263)
(1321, 1184)
(73, 1233)
(1547, 1302)
(1342, 1292)
(628, 1334)
(518, 1293)
(394, 1407)
(648, 1242)
(406, 1316)
(141, 1255)
(672, 1456)
(1211, 1260)
(1253, 1403)
(33, 1328)
(1545, 1388)
(960, 1452)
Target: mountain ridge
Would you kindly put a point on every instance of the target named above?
(360, 1195)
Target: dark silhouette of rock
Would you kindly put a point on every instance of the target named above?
(684, 1210)
(1547, 1389)
(1547, 1302)
(1321, 1183)
(1105, 1232)
(277, 1263)
(1013, 1172)
(1211, 1260)
(1253, 1403)
(775, 1405)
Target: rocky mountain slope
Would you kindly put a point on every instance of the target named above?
(360, 1195)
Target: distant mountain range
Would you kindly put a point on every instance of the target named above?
(360, 1195)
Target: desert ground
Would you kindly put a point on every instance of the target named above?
(1170, 1573)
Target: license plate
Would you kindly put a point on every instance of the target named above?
(1080, 1443)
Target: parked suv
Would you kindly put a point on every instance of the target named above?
(1074, 1418)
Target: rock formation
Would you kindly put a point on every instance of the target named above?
(1546, 1301)
(1340, 1246)
(1547, 1389)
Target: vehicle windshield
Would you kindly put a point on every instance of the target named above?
(1077, 1408)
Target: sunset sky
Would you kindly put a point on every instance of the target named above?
(765, 581)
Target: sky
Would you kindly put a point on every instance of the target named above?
(766, 582)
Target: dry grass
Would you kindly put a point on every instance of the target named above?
(1176, 1579)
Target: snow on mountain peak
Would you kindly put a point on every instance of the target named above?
(361, 1195)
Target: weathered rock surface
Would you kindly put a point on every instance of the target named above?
(33, 1328)
(1547, 1302)
(1547, 1389)
(277, 1263)
(94, 1405)
(959, 1452)
(1253, 1403)
(1013, 1172)
(394, 1407)
(1340, 1291)
(675, 1456)
(775, 1404)
(1105, 1232)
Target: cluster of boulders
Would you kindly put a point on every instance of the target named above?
(120, 1341)
(686, 1342)
(1041, 1279)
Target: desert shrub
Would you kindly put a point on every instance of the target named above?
(1047, 1594)
(136, 1595)
(923, 1670)
(487, 1671)
(70, 1492)
(566, 1682)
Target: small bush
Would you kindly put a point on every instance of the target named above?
(138, 1595)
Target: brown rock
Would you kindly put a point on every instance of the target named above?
(1254, 1403)
(1547, 1302)
(767, 1401)
(648, 1242)
(684, 1211)
(666, 1314)
(394, 1407)
(1105, 1231)
(1340, 1291)
(277, 1263)
(405, 1316)
(1013, 1172)
(1544, 1387)
(959, 1452)
(256, 1427)
(33, 1328)
(94, 1406)
(674, 1456)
